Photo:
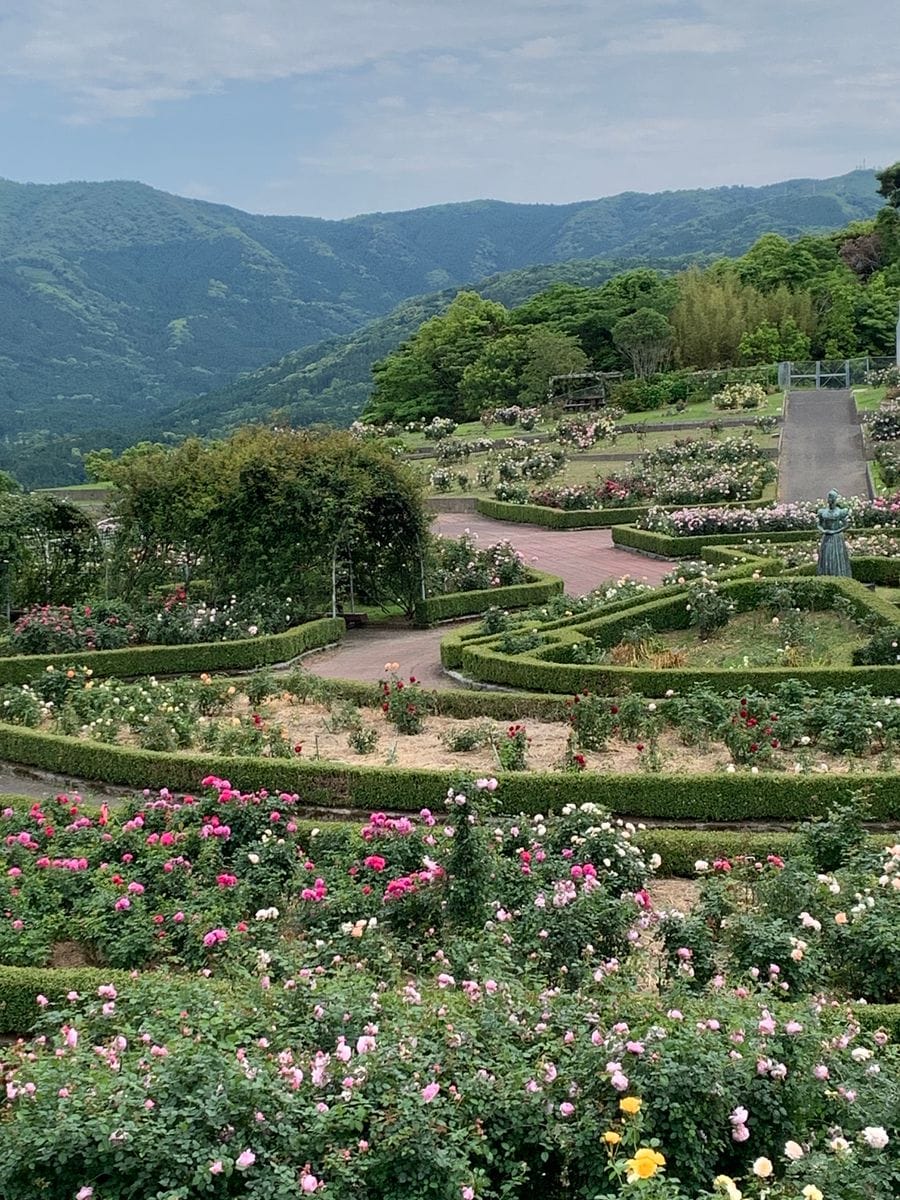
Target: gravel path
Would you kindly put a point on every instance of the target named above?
(583, 558)
(821, 447)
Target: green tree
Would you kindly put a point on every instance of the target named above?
(645, 337)
(889, 184)
(876, 316)
(772, 261)
(763, 345)
(770, 344)
(713, 312)
(493, 379)
(549, 352)
(299, 511)
(163, 499)
(424, 376)
(589, 314)
(49, 550)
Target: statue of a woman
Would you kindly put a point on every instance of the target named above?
(831, 522)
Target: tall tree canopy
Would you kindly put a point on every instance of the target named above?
(271, 510)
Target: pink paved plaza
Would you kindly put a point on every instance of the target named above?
(583, 558)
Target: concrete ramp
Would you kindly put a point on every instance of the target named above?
(821, 446)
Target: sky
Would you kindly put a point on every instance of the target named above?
(336, 107)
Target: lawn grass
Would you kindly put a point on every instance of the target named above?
(868, 399)
(581, 468)
(753, 640)
(705, 411)
(76, 487)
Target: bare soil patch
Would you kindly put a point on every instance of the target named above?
(306, 724)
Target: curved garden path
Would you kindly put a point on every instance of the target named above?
(583, 558)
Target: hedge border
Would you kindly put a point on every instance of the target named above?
(536, 671)
(576, 518)
(241, 654)
(463, 703)
(867, 568)
(741, 797)
(665, 545)
(453, 643)
(541, 586)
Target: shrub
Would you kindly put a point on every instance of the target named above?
(464, 567)
(49, 629)
(740, 395)
(438, 428)
(404, 704)
(511, 748)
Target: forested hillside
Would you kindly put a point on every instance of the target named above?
(120, 304)
(115, 295)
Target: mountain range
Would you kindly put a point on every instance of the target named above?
(120, 304)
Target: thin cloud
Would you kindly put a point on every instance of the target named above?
(677, 37)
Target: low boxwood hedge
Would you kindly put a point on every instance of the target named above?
(741, 797)
(240, 655)
(539, 588)
(465, 704)
(452, 644)
(20, 987)
(877, 569)
(664, 545)
(547, 667)
(557, 518)
(681, 849)
(578, 518)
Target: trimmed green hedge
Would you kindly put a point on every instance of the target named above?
(680, 849)
(540, 587)
(465, 704)
(877, 569)
(557, 518)
(741, 797)
(453, 643)
(666, 546)
(576, 518)
(20, 987)
(239, 655)
(546, 667)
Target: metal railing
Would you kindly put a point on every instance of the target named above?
(830, 372)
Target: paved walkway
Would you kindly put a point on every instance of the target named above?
(821, 447)
(583, 558)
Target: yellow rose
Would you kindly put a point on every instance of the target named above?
(811, 1192)
(631, 1105)
(763, 1168)
(645, 1164)
(612, 1138)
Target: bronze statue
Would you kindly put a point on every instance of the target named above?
(831, 522)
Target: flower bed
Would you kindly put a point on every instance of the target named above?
(686, 472)
(698, 733)
(536, 587)
(112, 625)
(777, 518)
(374, 1051)
(244, 654)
